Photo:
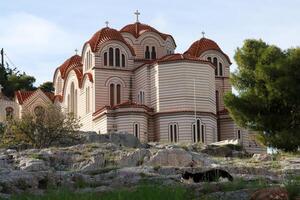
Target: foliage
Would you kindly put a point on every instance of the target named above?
(146, 192)
(268, 102)
(47, 86)
(42, 129)
(2, 128)
(12, 80)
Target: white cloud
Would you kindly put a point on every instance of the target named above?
(30, 40)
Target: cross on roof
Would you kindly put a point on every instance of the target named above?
(137, 13)
(76, 51)
(107, 22)
(203, 33)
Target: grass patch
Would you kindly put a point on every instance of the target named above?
(145, 192)
(293, 187)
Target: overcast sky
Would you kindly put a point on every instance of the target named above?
(40, 35)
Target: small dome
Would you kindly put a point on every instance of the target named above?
(74, 61)
(104, 35)
(202, 45)
(137, 29)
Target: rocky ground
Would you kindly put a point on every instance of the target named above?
(111, 163)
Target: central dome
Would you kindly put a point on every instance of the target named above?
(137, 29)
(104, 35)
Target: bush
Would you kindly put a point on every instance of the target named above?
(42, 129)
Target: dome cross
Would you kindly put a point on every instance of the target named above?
(203, 34)
(137, 13)
(107, 22)
(76, 51)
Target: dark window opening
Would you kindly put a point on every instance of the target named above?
(123, 60)
(153, 53)
(111, 57)
(215, 63)
(117, 50)
(105, 59)
(147, 53)
(112, 94)
(220, 69)
(118, 94)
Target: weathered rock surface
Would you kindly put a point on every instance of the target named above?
(103, 166)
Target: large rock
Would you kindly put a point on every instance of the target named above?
(171, 157)
(223, 151)
(135, 158)
(120, 139)
(31, 164)
(275, 193)
(262, 157)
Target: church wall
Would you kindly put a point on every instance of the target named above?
(185, 122)
(125, 122)
(223, 86)
(5, 104)
(227, 128)
(100, 124)
(102, 91)
(175, 87)
(37, 99)
(142, 83)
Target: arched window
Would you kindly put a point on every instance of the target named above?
(9, 113)
(153, 53)
(215, 63)
(123, 60)
(87, 99)
(111, 57)
(118, 94)
(173, 132)
(141, 97)
(112, 94)
(73, 100)
(105, 59)
(39, 111)
(147, 53)
(239, 136)
(136, 130)
(220, 69)
(117, 50)
(217, 100)
(198, 131)
(209, 59)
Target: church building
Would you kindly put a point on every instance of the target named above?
(131, 80)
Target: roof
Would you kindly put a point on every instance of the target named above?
(72, 62)
(137, 29)
(22, 96)
(202, 45)
(104, 35)
(179, 57)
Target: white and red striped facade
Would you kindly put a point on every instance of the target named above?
(131, 80)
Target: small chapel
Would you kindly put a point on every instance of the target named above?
(131, 80)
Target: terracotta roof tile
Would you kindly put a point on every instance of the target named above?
(202, 45)
(137, 29)
(22, 96)
(74, 61)
(104, 35)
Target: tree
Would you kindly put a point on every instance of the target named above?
(47, 87)
(268, 100)
(43, 128)
(12, 80)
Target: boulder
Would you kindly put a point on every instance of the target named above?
(135, 158)
(30, 164)
(275, 193)
(223, 151)
(262, 157)
(93, 163)
(171, 157)
(121, 139)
